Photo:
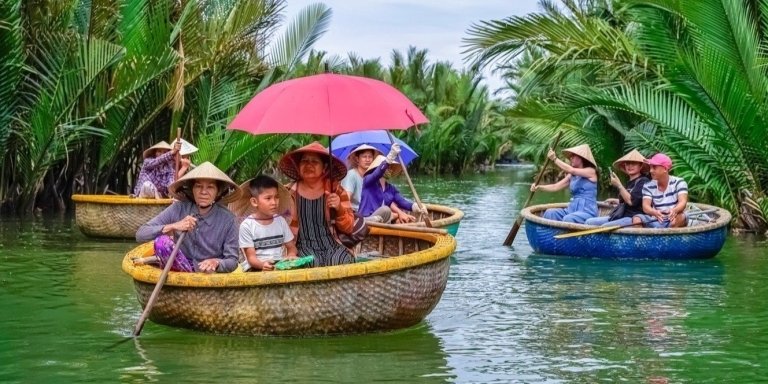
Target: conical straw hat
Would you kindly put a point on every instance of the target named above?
(352, 158)
(632, 156)
(393, 169)
(289, 163)
(364, 147)
(181, 188)
(161, 145)
(187, 148)
(582, 151)
(242, 206)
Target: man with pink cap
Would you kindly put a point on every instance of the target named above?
(664, 197)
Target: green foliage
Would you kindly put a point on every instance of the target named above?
(689, 80)
(87, 85)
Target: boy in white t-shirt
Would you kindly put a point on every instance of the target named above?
(264, 235)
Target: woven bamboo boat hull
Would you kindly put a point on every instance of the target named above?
(442, 216)
(381, 294)
(115, 216)
(695, 242)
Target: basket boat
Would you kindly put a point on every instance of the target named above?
(694, 242)
(115, 216)
(396, 289)
(441, 216)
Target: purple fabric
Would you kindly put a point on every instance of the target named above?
(163, 249)
(159, 171)
(374, 197)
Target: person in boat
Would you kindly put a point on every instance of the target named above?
(210, 244)
(379, 195)
(664, 197)
(359, 160)
(630, 200)
(320, 207)
(158, 170)
(264, 235)
(581, 177)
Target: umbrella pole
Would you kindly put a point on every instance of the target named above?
(410, 183)
(330, 173)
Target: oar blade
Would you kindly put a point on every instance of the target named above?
(587, 232)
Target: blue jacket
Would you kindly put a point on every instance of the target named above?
(374, 197)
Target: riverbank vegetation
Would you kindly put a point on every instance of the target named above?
(86, 86)
(685, 78)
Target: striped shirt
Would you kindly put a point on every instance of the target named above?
(665, 200)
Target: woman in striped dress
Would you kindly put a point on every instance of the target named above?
(320, 207)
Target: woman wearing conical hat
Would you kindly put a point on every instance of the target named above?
(315, 193)
(210, 244)
(359, 160)
(158, 170)
(630, 200)
(581, 177)
(379, 196)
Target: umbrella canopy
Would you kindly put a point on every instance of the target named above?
(327, 104)
(343, 145)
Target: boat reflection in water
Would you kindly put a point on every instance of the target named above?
(414, 355)
(621, 319)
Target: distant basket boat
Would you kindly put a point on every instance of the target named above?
(115, 216)
(388, 293)
(695, 242)
(441, 216)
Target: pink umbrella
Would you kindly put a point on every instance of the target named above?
(327, 104)
(330, 104)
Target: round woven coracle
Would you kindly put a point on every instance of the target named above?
(397, 288)
(695, 242)
(115, 216)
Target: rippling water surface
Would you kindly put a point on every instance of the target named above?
(507, 315)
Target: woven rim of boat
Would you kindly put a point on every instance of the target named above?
(723, 218)
(454, 216)
(118, 200)
(443, 247)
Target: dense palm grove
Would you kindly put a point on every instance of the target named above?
(86, 85)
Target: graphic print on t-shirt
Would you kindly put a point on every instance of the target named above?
(268, 242)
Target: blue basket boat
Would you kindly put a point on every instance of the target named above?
(700, 241)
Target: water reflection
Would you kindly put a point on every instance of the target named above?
(617, 318)
(414, 355)
(507, 315)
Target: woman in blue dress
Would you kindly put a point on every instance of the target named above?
(581, 176)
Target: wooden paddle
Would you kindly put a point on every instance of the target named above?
(407, 228)
(178, 154)
(615, 227)
(410, 183)
(516, 227)
(158, 287)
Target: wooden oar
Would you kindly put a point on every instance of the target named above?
(178, 155)
(615, 227)
(410, 183)
(516, 227)
(408, 228)
(158, 287)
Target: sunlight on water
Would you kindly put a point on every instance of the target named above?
(507, 315)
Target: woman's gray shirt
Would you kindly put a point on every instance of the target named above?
(214, 237)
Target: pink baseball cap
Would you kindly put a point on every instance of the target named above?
(660, 159)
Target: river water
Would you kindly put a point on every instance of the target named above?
(507, 315)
